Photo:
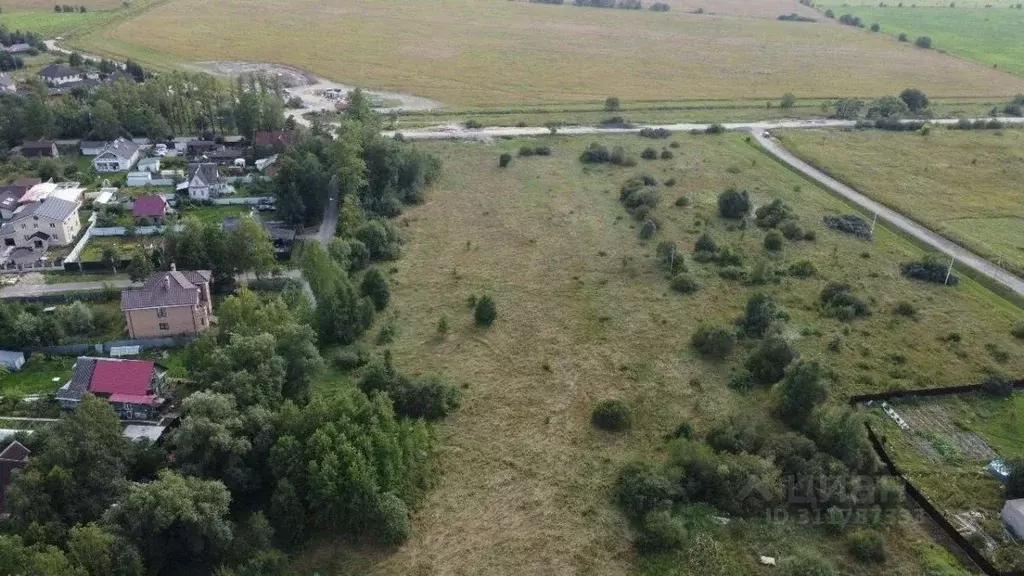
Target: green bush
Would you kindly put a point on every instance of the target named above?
(773, 241)
(352, 357)
(542, 151)
(393, 525)
(667, 155)
(836, 519)
(767, 363)
(802, 269)
(792, 231)
(760, 315)
(705, 243)
(375, 285)
(611, 415)
(485, 311)
(714, 342)
(643, 486)
(660, 531)
(729, 256)
(648, 229)
(772, 214)
(504, 160)
(733, 203)
(525, 151)
(867, 545)
(684, 283)
(997, 385)
(1018, 330)
(649, 154)
(715, 129)
(904, 308)
(682, 201)
(734, 273)
(684, 430)
(838, 300)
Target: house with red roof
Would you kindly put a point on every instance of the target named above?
(132, 387)
(151, 206)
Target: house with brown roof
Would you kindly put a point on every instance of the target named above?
(40, 149)
(13, 457)
(133, 388)
(170, 303)
(278, 141)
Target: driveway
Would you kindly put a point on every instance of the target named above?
(963, 256)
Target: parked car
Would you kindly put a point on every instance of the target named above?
(267, 205)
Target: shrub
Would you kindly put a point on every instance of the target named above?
(705, 243)
(729, 256)
(375, 285)
(379, 239)
(799, 393)
(734, 273)
(427, 398)
(715, 129)
(773, 241)
(670, 258)
(760, 315)
(542, 151)
(648, 230)
(595, 154)
(792, 231)
(767, 363)
(670, 182)
(611, 415)
(802, 269)
(929, 269)
(683, 430)
(393, 525)
(904, 308)
(649, 154)
(867, 545)
(485, 311)
(997, 385)
(733, 203)
(615, 121)
(643, 486)
(682, 201)
(611, 104)
(684, 283)
(875, 27)
(772, 214)
(903, 37)
(674, 144)
(525, 151)
(915, 99)
(656, 133)
(849, 224)
(1018, 330)
(667, 155)
(473, 124)
(504, 160)
(838, 300)
(714, 342)
(923, 42)
(660, 531)
(788, 100)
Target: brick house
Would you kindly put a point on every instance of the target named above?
(133, 388)
(169, 304)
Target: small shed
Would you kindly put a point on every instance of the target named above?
(151, 165)
(1013, 516)
(12, 361)
(136, 179)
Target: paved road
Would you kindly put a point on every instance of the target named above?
(963, 257)
(455, 132)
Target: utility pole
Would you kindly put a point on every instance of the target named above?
(950, 270)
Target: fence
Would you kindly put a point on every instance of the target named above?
(103, 348)
(250, 200)
(152, 182)
(924, 392)
(139, 230)
(80, 246)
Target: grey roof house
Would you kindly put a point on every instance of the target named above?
(118, 156)
(205, 182)
(52, 222)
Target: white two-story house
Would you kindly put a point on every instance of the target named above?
(39, 225)
(205, 182)
(118, 156)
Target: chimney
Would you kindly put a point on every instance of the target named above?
(167, 282)
(173, 267)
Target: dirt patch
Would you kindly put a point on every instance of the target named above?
(290, 77)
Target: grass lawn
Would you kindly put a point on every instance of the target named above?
(992, 36)
(584, 314)
(45, 21)
(214, 214)
(962, 184)
(950, 442)
(36, 376)
(94, 249)
(482, 52)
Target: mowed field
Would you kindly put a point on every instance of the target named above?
(991, 36)
(494, 52)
(48, 23)
(16, 5)
(584, 314)
(965, 185)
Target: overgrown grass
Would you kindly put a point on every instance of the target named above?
(37, 376)
(962, 184)
(47, 22)
(587, 314)
(480, 52)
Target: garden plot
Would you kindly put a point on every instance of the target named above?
(937, 424)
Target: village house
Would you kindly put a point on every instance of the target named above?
(278, 141)
(92, 147)
(118, 156)
(151, 206)
(205, 182)
(40, 149)
(133, 388)
(39, 225)
(169, 304)
(197, 148)
(151, 165)
(13, 457)
(57, 75)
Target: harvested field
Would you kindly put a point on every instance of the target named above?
(585, 314)
(486, 52)
(962, 184)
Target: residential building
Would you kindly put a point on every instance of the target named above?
(11, 195)
(11, 361)
(13, 457)
(7, 83)
(40, 149)
(278, 141)
(151, 165)
(196, 148)
(119, 156)
(57, 75)
(136, 179)
(151, 206)
(70, 191)
(39, 225)
(92, 147)
(134, 388)
(205, 182)
(169, 304)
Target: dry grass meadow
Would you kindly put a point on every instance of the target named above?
(962, 184)
(47, 5)
(584, 315)
(496, 52)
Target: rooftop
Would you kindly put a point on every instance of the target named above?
(58, 71)
(166, 290)
(15, 451)
(149, 206)
(121, 148)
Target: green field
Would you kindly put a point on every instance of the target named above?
(47, 22)
(486, 52)
(585, 314)
(992, 36)
(37, 376)
(962, 184)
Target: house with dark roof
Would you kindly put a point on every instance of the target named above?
(196, 148)
(92, 147)
(205, 182)
(118, 156)
(151, 206)
(39, 149)
(169, 304)
(278, 141)
(13, 457)
(51, 222)
(57, 75)
(134, 388)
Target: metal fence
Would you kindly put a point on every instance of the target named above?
(103, 348)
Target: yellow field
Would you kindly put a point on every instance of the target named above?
(493, 52)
